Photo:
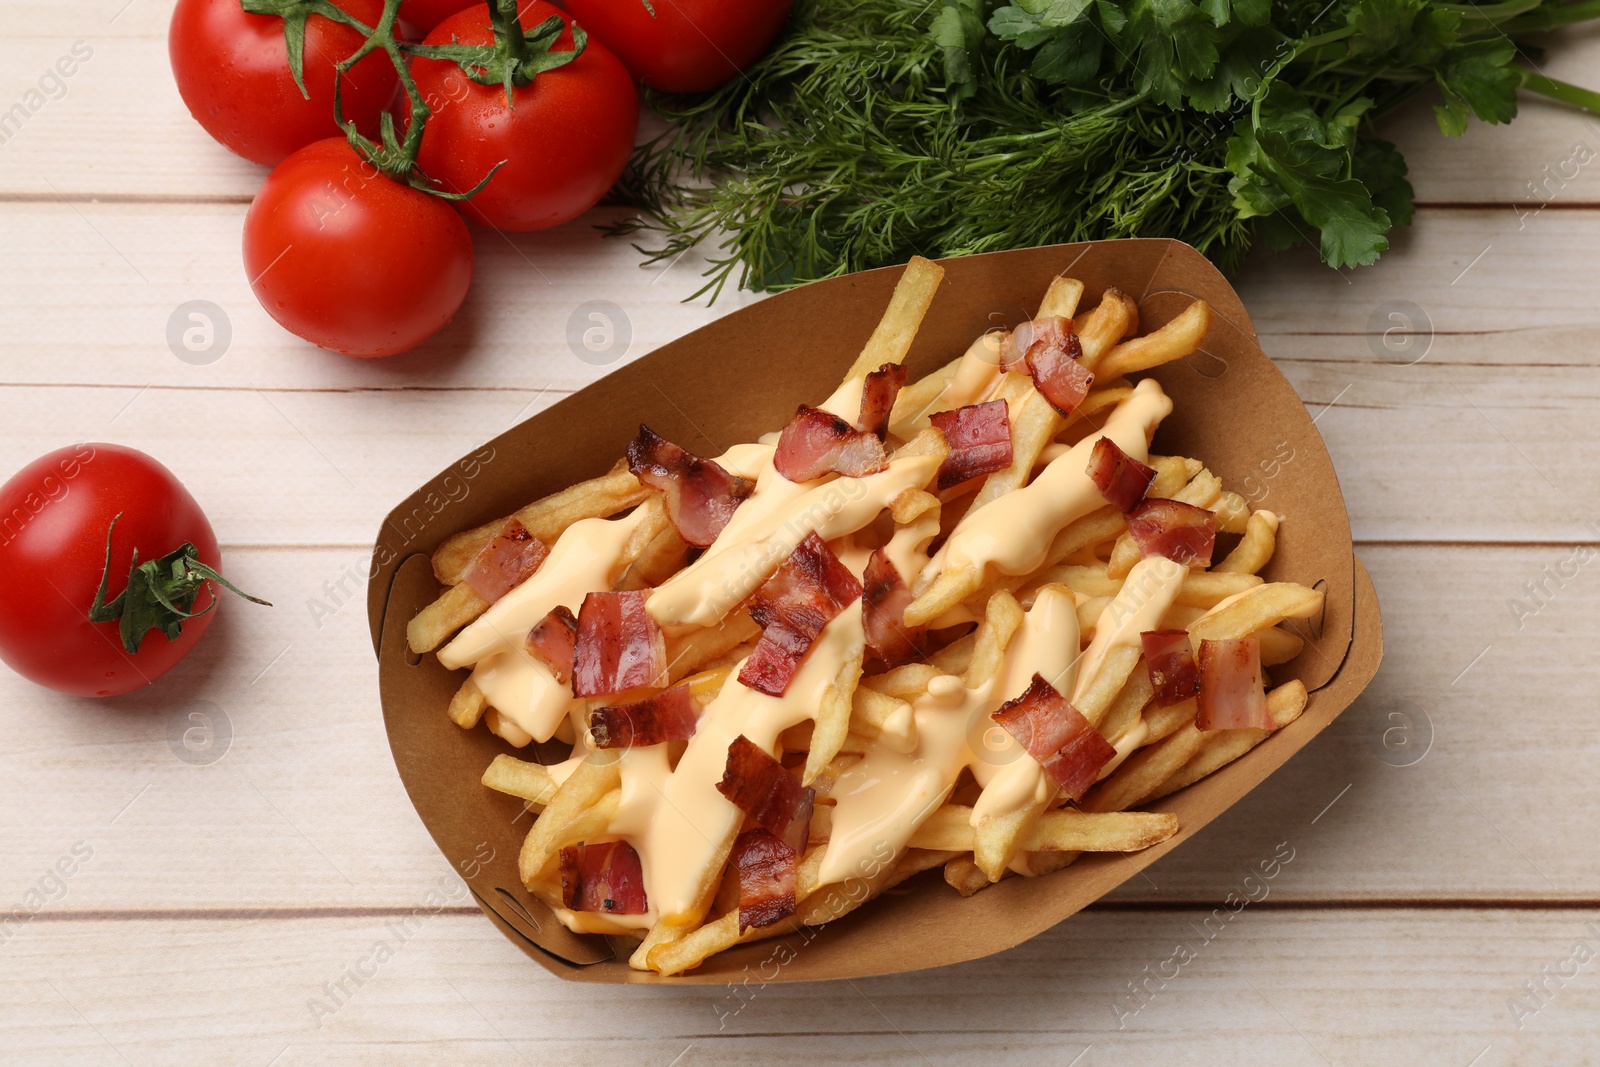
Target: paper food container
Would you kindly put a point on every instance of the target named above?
(742, 376)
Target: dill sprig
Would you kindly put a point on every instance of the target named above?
(878, 129)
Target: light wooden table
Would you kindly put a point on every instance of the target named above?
(229, 895)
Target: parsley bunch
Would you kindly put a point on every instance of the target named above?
(876, 129)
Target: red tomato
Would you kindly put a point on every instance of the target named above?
(426, 14)
(350, 260)
(689, 46)
(233, 73)
(54, 515)
(564, 142)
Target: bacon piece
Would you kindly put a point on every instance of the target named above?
(1232, 692)
(1121, 479)
(1169, 659)
(768, 875)
(818, 442)
(980, 441)
(1052, 330)
(792, 607)
(700, 495)
(1053, 363)
(505, 562)
(884, 596)
(667, 716)
(757, 785)
(552, 642)
(1056, 734)
(1181, 532)
(877, 398)
(619, 646)
(605, 877)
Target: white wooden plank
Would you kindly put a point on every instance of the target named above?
(1269, 987)
(88, 291)
(304, 806)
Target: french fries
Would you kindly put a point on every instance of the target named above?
(849, 723)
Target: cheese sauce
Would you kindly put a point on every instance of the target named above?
(885, 796)
(1013, 532)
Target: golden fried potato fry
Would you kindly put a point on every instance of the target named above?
(1115, 669)
(1125, 710)
(433, 625)
(1255, 548)
(1061, 299)
(871, 710)
(1033, 423)
(1175, 340)
(946, 592)
(833, 718)
(955, 657)
(569, 815)
(1001, 619)
(1233, 513)
(1161, 723)
(950, 829)
(530, 781)
(547, 518)
(1207, 589)
(904, 683)
(692, 651)
(1254, 610)
(467, 706)
(1279, 646)
(1144, 771)
(892, 338)
(1100, 329)
(920, 398)
(996, 838)
(965, 876)
(1222, 747)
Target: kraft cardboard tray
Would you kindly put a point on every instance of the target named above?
(742, 376)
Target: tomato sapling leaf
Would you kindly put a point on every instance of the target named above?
(159, 593)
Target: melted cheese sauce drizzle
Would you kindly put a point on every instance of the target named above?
(1014, 532)
(675, 818)
(733, 568)
(529, 701)
(886, 795)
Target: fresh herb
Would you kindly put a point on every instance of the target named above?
(876, 129)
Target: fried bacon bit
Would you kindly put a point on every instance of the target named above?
(1169, 659)
(667, 716)
(980, 441)
(1056, 734)
(884, 596)
(505, 562)
(818, 442)
(792, 607)
(1052, 330)
(1181, 532)
(1121, 479)
(605, 877)
(700, 495)
(776, 802)
(1053, 363)
(768, 875)
(552, 642)
(619, 646)
(877, 399)
(1232, 692)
